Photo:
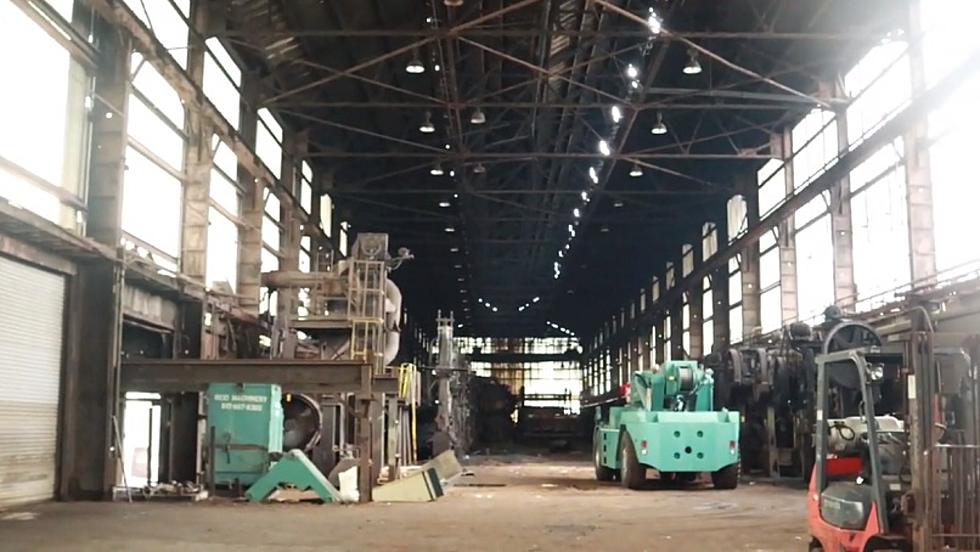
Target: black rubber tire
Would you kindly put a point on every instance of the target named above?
(631, 474)
(815, 546)
(602, 473)
(727, 477)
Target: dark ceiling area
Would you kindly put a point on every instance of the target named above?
(519, 94)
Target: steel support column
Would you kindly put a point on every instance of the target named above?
(788, 283)
(918, 178)
(695, 305)
(289, 243)
(94, 322)
(845, 289)
(719, 290)
(253, 204)
(751, 305)
(197, 162)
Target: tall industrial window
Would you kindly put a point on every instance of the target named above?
(771, 180)
(770, 299)
(686, 325)
(152, 186)
(709, 240)
(814, 147)
(45, 121)
(223, 218)
(708, 312)
(880, 83)
(734, 301)
(326, 214)
(222, 80)
(951, 34)
(268, 141)
(306, 187)
(687, 259)
(738, 221)
(166, 23)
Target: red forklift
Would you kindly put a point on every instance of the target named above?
(861, 476)
(897, 445)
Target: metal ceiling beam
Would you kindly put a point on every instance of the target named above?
(538, 69)
(443, 155)
(663, 106)
(435, 34)
(356, 130)
(720, 59)
(400, 51)
(341, 192)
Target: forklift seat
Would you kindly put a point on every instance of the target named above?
(846, 504)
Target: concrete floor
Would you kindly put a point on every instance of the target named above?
(543, 504)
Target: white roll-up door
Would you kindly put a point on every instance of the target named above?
(31, 313)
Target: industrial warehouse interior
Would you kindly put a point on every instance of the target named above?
(490, 275)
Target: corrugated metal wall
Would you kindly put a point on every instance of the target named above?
(31, 317)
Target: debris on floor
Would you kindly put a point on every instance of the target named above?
(18, 516)
(423, 486)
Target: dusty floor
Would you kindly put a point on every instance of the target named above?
(544, 504)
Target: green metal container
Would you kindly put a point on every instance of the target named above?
(247, 422)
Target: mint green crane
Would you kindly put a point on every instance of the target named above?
(668, 425)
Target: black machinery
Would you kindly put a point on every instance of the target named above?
(774, 385)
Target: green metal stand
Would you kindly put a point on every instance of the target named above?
(296, 470)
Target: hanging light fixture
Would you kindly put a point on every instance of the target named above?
(655, 23)
(479, 169)
(636, 171)
(692, 67)
(632, 72)
(594, 175)
(437, 170)
(453, 3)
(444, 204)
(415, 66)
(616, 113)
(660, 127)
(427, 127)
(478, 117)
(604, 148)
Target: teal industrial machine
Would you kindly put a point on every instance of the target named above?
(668, 425)
(245, 424)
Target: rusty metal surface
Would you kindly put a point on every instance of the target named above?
(301, 376)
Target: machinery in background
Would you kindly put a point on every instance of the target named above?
(446, 419)
(668, 425)
(346, 309)
(493, 411)
(774, 386)
(552, 424)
